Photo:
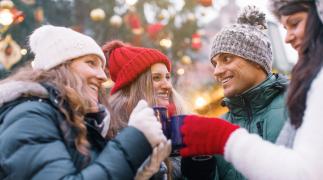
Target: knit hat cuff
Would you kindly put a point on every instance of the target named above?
(138, 65)
(262, 61)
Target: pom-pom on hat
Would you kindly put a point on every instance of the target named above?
(53, 45)
(246, 39)
(126, 62)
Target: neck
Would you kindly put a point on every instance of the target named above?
(259, 78)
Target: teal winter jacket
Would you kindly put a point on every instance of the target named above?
(261, 110)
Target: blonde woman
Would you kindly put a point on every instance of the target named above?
(45, 110)
(142, 73)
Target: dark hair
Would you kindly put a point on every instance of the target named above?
(291, 8)
(308, 65)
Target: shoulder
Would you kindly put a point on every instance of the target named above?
(314, 101)
(318, 81)
(32, 108)
(30, 118)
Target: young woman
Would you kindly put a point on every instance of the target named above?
(298, 152)
(50, 118)
(142, 73)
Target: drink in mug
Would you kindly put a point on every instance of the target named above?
(162, 116)
(176, 135)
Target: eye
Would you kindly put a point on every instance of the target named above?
(91, 62)
(213, 63)
(227, 58)
(294, 23)
(168, 77)
(156, 78)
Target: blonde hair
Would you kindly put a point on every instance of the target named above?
(71, 91)
(124, 101)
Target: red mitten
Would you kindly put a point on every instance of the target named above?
(205, 136)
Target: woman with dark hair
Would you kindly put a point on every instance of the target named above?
(51, 122)
(297, 153)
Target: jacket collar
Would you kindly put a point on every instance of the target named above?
(15, 89)
(258, 97)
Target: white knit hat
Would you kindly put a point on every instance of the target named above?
(53, 45)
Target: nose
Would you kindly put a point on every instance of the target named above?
(289, 37)
(166, 84)
(218, 71)
(101, 75)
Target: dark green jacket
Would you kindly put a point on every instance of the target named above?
(261, 110)
(37, 143)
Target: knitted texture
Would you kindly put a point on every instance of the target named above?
(246, 39)
(53, 45)
(126, 63)
(205, 136)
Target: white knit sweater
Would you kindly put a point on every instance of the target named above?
(259, 159)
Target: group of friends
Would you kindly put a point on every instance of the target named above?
(58, 122)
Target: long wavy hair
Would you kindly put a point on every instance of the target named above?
(71, 91)
(124, 101)
(309, 63)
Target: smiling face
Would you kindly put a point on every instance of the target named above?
(161, 83)
(295, 26)
(90, 68)
(235, 74)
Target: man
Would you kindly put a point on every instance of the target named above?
(242, 59)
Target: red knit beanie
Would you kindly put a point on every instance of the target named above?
(126, 62)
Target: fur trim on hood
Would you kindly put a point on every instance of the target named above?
(14, 89)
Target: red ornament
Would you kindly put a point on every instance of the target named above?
(153, 30)
(18, 16)
(196, 41)
(132, 19)
(205, 3)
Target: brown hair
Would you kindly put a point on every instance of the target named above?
(71, 91)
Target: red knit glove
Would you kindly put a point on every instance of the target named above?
(205, 136)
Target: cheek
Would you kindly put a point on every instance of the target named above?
(155, 85)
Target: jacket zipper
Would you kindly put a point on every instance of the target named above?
(260, 129)
(249, 113)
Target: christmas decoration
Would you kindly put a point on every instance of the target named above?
(186, 60)
(154, 30)
(9, 52)
(133, 22)
(116, 21)
(6, 4)
(196, 41)
(205, 3)
(166, 28)
(29, 2)
(97, 14)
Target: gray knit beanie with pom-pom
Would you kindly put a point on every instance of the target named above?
(246, 39)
